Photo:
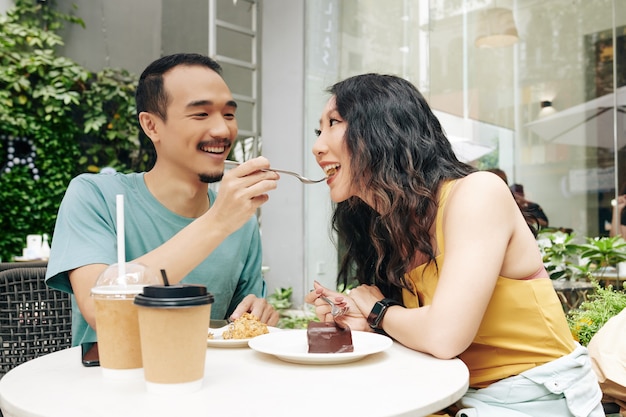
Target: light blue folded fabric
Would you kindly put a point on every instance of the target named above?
(565, 387)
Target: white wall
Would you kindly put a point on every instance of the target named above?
(118, 33)
(282, 98)
(323, 55)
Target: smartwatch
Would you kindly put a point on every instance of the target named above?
(378, 312)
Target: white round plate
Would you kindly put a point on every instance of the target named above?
(217, 340)
(292, 346)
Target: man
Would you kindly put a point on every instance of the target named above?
(173, 221)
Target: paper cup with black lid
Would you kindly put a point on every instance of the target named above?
(173, 325)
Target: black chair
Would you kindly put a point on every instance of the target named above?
(34, 319)
(30, 264)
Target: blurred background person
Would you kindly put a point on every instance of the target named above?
(500, 173)
(532, 208)
(618, 220)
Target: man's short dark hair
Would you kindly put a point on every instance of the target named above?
(151, 96)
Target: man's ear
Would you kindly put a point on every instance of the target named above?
(149, 125)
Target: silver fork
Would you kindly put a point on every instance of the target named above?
(334, 309)
(305, 180)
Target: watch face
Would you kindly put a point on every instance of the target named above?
(375, 315)
(378, 312)
(378, 307)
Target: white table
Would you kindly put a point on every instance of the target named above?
(241, 382)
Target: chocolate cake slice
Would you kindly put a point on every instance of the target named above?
(328, 338)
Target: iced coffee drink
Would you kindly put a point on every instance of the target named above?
(117, 325)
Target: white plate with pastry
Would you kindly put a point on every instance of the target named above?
(217, 340)
(239, 332)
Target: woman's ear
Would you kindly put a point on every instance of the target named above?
(149, 125)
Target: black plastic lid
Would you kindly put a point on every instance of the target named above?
(173, 296)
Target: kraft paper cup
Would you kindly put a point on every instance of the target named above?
(173, 324)
(117, 325)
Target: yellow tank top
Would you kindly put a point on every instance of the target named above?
(524, 325)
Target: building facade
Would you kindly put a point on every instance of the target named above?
(534, 87)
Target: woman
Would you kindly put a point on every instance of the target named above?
(445, 260)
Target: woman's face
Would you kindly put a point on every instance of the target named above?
(332, 155)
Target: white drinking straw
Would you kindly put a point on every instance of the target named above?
(121, 250)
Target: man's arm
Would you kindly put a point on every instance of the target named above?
(82, 280)
(242, 191)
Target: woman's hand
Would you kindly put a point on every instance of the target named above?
(365, 296)
(353, 318)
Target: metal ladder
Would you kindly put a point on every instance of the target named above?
(248, 139)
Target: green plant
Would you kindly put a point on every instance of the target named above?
(289, 319)
(296, 319)
(280, 299)
(111, 132)
(592, 314)
(602, 252)
(564, 258)
(560, 253)
(57, 120)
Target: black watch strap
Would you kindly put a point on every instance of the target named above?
(378, 312)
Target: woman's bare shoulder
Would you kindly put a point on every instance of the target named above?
(482, 183)
(480, 198)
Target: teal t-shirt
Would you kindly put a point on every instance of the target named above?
(85, 233)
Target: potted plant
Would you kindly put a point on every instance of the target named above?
(603, 254)
(603, 303)
(290, 318)
(560, 254)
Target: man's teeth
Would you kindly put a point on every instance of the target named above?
(213, 149)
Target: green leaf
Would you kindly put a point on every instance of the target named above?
(64, 110)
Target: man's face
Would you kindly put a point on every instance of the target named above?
(200, 128)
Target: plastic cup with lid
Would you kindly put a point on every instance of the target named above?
(117, 324)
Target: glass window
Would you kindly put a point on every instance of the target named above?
(524, 85)
(537, 101)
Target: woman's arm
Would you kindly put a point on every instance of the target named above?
(484, 231)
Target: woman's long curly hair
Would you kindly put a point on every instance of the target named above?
(401, 156)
